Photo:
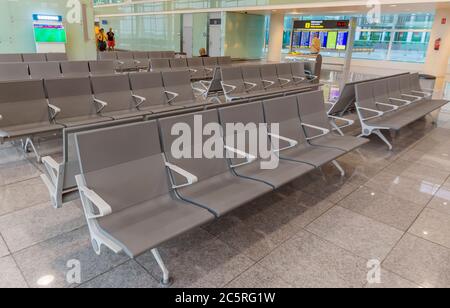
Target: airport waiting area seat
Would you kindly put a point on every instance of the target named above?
(34, 57)
(75, 69)
(14, 71)
(159, 65)
(386, 105)
(10, 57)
(101, 67)
(24, 112)
(114, 99)
(73, 96)
(41, 70)
(56, 57)
(125, 191)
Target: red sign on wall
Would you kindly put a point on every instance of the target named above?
(444, 21)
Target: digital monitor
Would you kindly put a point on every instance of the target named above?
(311, 37)
(324, 39)
(342, 39)
(49, 33)
(305, 39)
(332, 40)
(296, 39)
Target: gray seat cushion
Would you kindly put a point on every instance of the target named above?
(125, 114)
(345, 143)
(286, 172)
(313, 155)
(82, 120)
(153, 222)
(28, 129)
(224, 192)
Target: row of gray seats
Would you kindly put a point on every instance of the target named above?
(34, 107)
(134, 60)
(137, 194)
(252, 82)
(32, 57)
(200, 68)
(393, 103)
(41, 70)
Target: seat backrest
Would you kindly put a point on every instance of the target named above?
(125, 55)
(23, 102)
(415, 81)
(102, 67)
(34, 57)
(149, 85)
(10, 57)
(108, 55)
(311, 106)
(200, 166)
(75, 68)
(159, 64)
(140, 55)
(224, 61)
(405, 83)
(284, 71)
(365, 95)
(284, 111)
(380, 90)
(195, 62)
(233, 76)
(298, 69)
(394, 86)
(40, 70)
(72, 95)
(168, 54)
(211, 62)
(56, 56)
(124, 165)
(269, 73)
(251, 115)
(155, 55)
(252, 73)
(178, 63)
(179, 82)
(14, 71)
(115, 90)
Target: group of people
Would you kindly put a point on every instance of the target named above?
(106, 40)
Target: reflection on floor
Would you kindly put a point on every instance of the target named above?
(319, 231)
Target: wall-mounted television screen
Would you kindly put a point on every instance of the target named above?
(305, 41)
(332, 40)
(49, 33)
(342, 40)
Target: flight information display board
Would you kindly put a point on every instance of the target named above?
(49, 33)
(333, 34)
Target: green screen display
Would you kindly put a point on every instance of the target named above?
(332, 40)
(46, 34)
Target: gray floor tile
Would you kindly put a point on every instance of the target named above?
(361, 235)
(390, 280)
(17, 171)
(438, 161)
(206, 262)
(433, 226)
(22, 195)
(4, 251)
(10, 154)
(418, 171)
(10, 274)
(128, 275)
(395, 212)
(441, 201)
(420, 261)
(30, 226)
(308, 261)
(47, 261)
(258, 277)
(418, 191)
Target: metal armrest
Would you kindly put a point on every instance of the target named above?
(200, 91)
(173, 94)
(1, 117)
(210, 69)
(325, 131)
(313, 77)
(250, 158)
(299, 77)
(102, 104)
(378, 113)
(413, 96)
(53, 171)
(251, 84)
(137, 62)
(103, 207)
(349, 122)
(193, 70)
(394, 107)
(405, 101)
(140, 98)
(427, 94)
(271, 83)
(55, 110)
(191, 179)
(231, 88)
(292, 142)
(206, 84)
(286, 81)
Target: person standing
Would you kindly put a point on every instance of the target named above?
(101, 40)
(316, 44)
(111, 40)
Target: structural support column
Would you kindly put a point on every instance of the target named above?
(275, 37)
(349, 53)
(436, 63)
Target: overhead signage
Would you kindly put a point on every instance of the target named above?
(43, 17)
(321, 24)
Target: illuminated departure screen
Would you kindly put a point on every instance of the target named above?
(311, 37)
(332, 40)
(49, 33)
(296, 39)
(305, 41)
(324, 39)
(342, 39)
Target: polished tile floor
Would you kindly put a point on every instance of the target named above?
(319, 231)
